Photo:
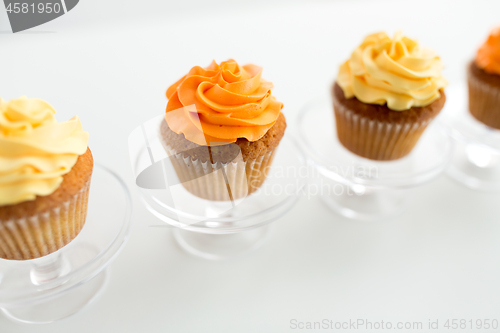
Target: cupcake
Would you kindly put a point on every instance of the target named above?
(484, 82)
(385, 96)
(45, 171)
(221, 130)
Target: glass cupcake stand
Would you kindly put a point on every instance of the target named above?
(359, 188)
(476, 162)
(60, 284)
(213, 230)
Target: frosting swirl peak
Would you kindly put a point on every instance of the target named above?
(393, 71)
(35, 150)
(221, 103)
(488, 55)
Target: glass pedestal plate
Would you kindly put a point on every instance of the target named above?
(60, 284)
(359, 188)
(476, 162)
(214, 230)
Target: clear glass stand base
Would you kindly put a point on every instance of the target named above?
(216, 230)
(476, 163)
(359, 188)
(58, 285)
(221, 246)
(59, 307)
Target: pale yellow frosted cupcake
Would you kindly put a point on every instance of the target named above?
(45, 171)
(385, 95)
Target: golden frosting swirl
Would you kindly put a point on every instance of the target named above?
(221, 103)
(395, 71)
(488, 55)
(35, 150)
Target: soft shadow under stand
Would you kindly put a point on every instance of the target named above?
(359, 188)
(60, 284)
(476, 162)
(213, 230)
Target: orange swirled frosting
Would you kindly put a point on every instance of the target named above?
(221, 103)
(488, 55)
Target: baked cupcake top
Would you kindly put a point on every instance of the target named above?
(488, 55)
(221, 103)
(35, 149)
(394, 71)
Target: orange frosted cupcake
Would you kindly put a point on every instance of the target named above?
(45, 171)
(484, 82)
(222, 127)
(385, 95)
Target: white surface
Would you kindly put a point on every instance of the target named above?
(439, 260)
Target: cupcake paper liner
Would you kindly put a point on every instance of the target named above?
(484, 102)
(210, 181)
(35, 236)
(375, 139)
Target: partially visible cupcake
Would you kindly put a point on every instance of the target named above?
(45, 171)
(222, 127)
(484, 82)
(385, 96)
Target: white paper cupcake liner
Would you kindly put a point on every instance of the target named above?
(484, 102)
(375, 139)
(220, 181)
(35, 236)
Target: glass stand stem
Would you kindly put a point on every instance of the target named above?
(49, 268)
(367, 204)
(476, 166)
(482, 157)
(221, 246)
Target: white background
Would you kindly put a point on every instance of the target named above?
(110, 62)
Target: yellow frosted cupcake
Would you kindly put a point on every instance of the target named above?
(45, 172)
(385, 95)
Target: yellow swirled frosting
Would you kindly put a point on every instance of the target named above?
(394, 71)
(35, 149)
